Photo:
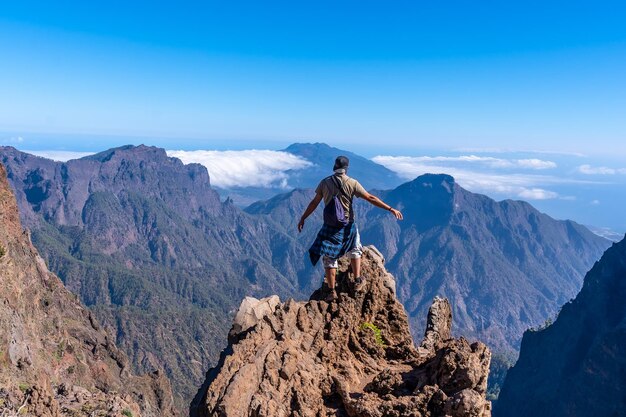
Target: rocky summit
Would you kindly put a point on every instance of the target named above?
(352, 357)
(55, 359)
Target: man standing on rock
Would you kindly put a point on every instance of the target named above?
(339, 235)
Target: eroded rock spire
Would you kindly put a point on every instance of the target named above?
(353, 357)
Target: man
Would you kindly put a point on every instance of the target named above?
(334, 241)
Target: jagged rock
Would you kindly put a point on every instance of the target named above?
(353, 357)
(250, 312)
(438, 325)
(54, 358)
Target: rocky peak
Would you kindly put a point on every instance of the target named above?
(429, 198)
(129, 151)
(66, 192)
(353, 357)
(55, 359)
(309, 149)
(434, 182)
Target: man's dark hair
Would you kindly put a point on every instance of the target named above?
(341, 162)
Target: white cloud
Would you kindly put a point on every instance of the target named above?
(518, 151)
(535, 164)
(254, 168)
(590, 170)
(61, 156)
(509, 184)
(595, 202)
(488, 161)
(537, 194)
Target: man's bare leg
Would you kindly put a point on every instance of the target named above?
(331, 274)
(358, 279)
(356, 266)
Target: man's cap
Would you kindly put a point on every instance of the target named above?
(341, 162)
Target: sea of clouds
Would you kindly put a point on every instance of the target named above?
(483, 174)
(247, 168)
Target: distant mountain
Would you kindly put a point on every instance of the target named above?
(148, 246)
(55, 357)
(370, 174)
(576, 366)
(322, 156)
(504, 265)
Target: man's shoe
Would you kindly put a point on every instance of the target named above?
(359, 283)
(332, 296)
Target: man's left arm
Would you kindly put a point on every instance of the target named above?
(309, 210)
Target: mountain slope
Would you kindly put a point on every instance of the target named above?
(146, 243)
(577, 365)
(55, 358)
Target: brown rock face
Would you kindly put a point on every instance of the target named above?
(353, 357)
(54, 358)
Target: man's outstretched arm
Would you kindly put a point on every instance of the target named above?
(309, 210)
(380, 203)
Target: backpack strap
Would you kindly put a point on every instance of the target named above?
(339, 184)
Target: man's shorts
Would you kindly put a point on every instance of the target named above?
(355, 253)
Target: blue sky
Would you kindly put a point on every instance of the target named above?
(410, 74)
(379, 78)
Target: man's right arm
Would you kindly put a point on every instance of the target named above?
(309, 210)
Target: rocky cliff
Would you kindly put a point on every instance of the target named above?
(577, 365)
(353, 357)
(55, 359)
